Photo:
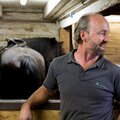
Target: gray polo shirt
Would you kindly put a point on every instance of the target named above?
(85, 95)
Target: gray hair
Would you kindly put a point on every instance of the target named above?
(82, 24)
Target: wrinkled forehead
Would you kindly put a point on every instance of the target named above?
(99, 22)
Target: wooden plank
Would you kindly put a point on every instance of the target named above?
(23, 16)
(52, 7)
(10, 109)
(115, 27)
(23, 10)
(113, 47)
(71, 4)
(1, 11)
(37, 115)
(27, 29)
(65, 38)
(16, 105)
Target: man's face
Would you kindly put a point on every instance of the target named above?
(98, 35)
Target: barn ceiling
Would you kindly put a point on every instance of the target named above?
(61, 10)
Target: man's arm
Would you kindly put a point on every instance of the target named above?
(38, 97)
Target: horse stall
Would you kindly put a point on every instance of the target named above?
(31, 26)
(9, 110)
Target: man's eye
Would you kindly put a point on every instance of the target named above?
(102, 33)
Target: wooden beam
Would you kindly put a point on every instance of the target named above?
(65, 8)
(0, 10)
(53, 7)
(15, 104)
(97, 6)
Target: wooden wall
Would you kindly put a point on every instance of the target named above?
(113, 48)
(18, 24)
(65, 38)
(27, 29)
(37, 115)
(10, 110)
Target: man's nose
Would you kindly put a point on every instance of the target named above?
(107, 38)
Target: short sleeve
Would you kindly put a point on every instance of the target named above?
(117, 86)
(50, 80)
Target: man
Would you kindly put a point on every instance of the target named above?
(88, 83)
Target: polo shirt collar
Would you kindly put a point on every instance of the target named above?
(71, 58)
(100, 63)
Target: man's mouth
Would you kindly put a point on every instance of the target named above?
(102, 46)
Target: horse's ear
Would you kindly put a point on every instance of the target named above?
(61, 48)
(15, 41)
(20, 42)
(61, 42)
(10, 42)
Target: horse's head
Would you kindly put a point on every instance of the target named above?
(22, 72)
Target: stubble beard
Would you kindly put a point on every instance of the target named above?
(100, 51)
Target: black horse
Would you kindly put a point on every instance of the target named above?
(22, 71)
(49, 48)
(23, 64)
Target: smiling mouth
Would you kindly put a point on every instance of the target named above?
(102, 46)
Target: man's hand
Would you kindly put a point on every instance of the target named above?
(25, 113)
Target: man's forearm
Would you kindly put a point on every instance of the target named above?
(39, 96)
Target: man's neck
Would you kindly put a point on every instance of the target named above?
(84, 58)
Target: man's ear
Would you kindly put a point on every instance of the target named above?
(83, 35)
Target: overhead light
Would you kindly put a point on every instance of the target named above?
(23, 2)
